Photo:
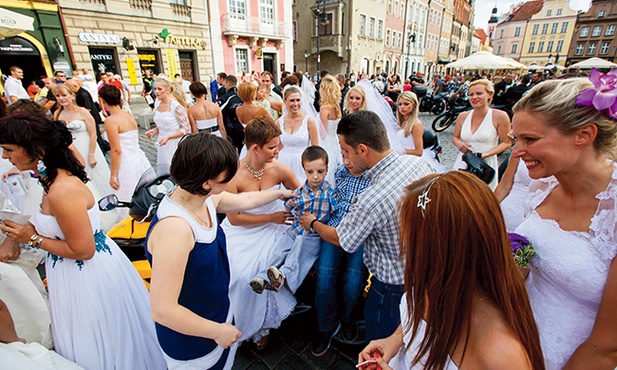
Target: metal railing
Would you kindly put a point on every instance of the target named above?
(232, 23)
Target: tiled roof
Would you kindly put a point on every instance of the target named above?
(526, 11)
(479, 33)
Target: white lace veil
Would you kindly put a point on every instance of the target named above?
(377, 104)
(308, 88)
(307, 109)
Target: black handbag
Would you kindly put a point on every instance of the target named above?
(478, 167)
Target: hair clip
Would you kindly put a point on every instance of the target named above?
(423, 199)
(604, 94)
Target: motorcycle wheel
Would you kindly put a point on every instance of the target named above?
(442, 122)
(439, 107)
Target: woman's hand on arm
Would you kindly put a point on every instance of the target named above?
(9, 250)
(170, 243)
(228, 202)
(599, 351)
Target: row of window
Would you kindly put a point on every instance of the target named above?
(592, 47)
(396, 8)
(549, 47)
(554, 28)
(549, 12)
(266, 10)
(374, 29)
(597, 31)
(396, 38)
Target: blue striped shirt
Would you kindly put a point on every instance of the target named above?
(347, 187)
(321, 203)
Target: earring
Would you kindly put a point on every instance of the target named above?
(41, 169)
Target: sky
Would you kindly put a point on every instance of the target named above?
(485, 7)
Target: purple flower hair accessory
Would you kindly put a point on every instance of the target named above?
(604, 94)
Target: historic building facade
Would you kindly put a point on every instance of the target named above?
(595, 34)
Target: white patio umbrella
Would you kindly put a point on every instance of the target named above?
(485, 60)
(593, 63)
(12, 23)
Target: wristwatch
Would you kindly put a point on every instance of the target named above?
(312, 223)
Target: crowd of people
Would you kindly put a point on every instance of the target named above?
(276, 179)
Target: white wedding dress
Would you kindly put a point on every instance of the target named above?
(512, 205)
(568, 275)
(99, 307)
(133, 163)
(250, 250)
(293, 146)
(331, 145)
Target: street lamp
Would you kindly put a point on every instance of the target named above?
(410, 40)
(322, 20)
(306, 55)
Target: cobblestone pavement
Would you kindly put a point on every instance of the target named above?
(289, 346)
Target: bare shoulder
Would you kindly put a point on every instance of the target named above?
(500, 115)
(463, 115)
(501, 349)
(213, 106)
(69, 187)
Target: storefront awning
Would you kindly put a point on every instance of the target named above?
(442, 60)
(12, 23)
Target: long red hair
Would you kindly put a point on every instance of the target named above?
(454, 247)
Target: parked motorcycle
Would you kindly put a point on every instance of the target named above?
(457, 103)
(435, 104)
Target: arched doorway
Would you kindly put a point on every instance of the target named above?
(17, 51)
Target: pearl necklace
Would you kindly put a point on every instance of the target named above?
(256, 174)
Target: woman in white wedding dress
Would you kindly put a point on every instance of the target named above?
(512, 192)
(569, 148)
(128, 161)
(99, 304)
(330, 115)
(81, 124)
(252, 235)
(465, 304)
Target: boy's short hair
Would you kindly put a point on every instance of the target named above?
(313, 153)
(260, 131)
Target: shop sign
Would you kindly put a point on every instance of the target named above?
(186, 41)
(171, 56)
(130, 65)
(62, 65)
(17, 46)
(102, 38)
(148, 60)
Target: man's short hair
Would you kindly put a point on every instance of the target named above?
(56, 73)
(232, 80)
(364, 127)
(222, 75)
(260, 131)
(177, 75)
(13, 69)
(267, 73)
(285, 74)
(313, 153)
(323, 73)
(340, 77)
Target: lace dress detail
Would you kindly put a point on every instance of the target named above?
(568, 276)
(169, 122)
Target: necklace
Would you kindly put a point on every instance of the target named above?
(256, 174)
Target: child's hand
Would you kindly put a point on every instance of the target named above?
(228, 335)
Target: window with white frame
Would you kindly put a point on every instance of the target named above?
(605, 46)
(371, 27)
(395, 12)
(535, 29)
(400, 40)
(610, 30)
(597, 31)
(387, 37)
(564, 27)
(559, 11)
(402, 15)
(591, 49)
(266, 11)
(584, 32)
(549, 12)
(389, 6)
(362, 25)
(549, 47)
(559, 46)
(602, 14)
(541, 47)
(554, 27)
(545, 28)
(514, 48)
(237, 8)
(532, 46)
(380, 29)
(579, 49)
(241, 61)
(498, 49)
(501, 34)
(517, 31)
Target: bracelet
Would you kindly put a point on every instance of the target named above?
(37, 245)
(312, 223)
(32, 239)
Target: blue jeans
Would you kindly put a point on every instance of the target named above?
(332, 259)
(381, 310)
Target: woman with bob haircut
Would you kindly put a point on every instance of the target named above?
(248, 111)
(254, 233)
(566, 134)
(482, 131)
(205, 115)
(355, 100)
(189, 291)
(98, 303)
(465, 304)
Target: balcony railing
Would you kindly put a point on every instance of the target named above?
(329, 42)
(180, 9)
(233, 24)
(141, 4)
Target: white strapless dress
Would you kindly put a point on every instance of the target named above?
(567, 277)
(331, 145)
(100, 307)
(133, 163)
(250, 250)
(293, 146)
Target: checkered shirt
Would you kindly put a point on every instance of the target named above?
(374, 218)
(347, 188)
(321, 203)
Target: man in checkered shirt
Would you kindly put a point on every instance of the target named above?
(373, 220)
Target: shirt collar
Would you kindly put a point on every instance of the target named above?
(380, 166)
(309, 190)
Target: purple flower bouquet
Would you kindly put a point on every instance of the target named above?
(522, 249)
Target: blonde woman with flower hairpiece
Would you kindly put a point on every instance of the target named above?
(566, 134)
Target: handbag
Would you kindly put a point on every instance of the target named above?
(478, 167)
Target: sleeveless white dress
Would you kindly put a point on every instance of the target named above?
(402, 360)
(204, 124)
(569, 273)
(133, 163)
(99, 308)
(99, 175)
(408, 144)
(167, 124)
(512, 206)
(484, 139)
(250, 250)
(331, 145)
(293, 146)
